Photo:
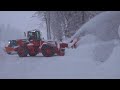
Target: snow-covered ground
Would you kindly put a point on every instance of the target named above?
(74, 65)
(77, 63)
(96, 57)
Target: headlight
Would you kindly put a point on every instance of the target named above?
(7, 43)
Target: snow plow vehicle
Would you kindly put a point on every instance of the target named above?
(34, 45)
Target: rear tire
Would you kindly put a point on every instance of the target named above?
(22, 52)
(47, 50)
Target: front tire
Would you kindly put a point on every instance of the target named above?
(22, 52)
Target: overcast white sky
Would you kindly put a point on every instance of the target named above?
(19, 19)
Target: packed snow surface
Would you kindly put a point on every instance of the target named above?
(77, 63)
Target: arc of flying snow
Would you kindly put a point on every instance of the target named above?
(105, 27)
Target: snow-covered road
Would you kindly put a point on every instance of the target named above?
(77, 63)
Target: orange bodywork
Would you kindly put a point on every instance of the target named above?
(9, 49)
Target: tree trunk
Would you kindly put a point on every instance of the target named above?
(83, 17)
(48, 25)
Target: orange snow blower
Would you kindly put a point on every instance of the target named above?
(34, 45)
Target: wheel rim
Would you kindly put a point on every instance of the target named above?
(48, 51)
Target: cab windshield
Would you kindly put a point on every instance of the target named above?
(34, 35)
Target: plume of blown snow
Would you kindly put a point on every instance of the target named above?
(105, 28)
